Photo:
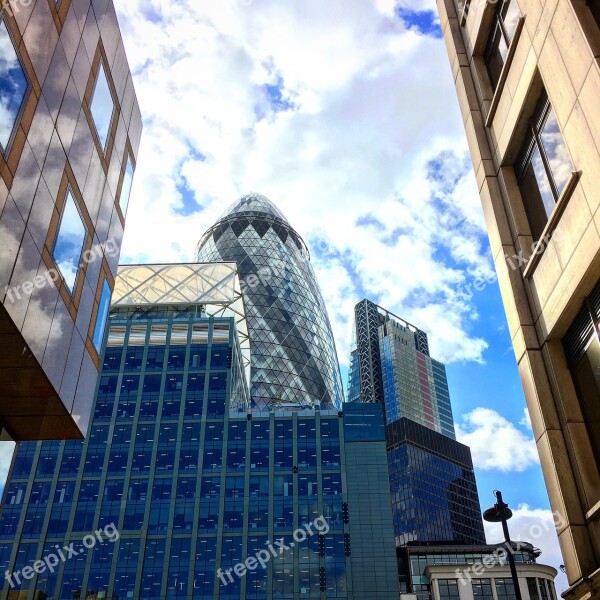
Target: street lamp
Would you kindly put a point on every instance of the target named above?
(500, 513)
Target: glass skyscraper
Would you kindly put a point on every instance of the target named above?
(432, 482)
(293, 357)
(193, 480)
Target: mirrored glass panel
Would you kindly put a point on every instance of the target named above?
(126, 187)
(102, 106)
(556, 152)
(102, 315)
(69, 242)
(13, 87)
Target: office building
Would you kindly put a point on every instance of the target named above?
(194, 480)
(432, 482)
(69, 137)
(293, 351)
(447, 572)
(527, 77)
(390, 363)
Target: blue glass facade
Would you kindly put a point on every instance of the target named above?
(431, 478)
(293, 352)
(434, 494)
(194, 483)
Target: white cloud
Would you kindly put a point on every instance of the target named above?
(526, 420)
(495, 442)
(537, 526)
(374, 131)
(6, 453)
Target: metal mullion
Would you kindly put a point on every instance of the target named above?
(505, 35)
(542, 151)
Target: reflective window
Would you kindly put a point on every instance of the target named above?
(69, 242)
(102, 106)
(543, 166)
(448, 589)
(13, 87)
(482, 589)
(126, 187)
(505, 589)
(502, 32)
(102, 315)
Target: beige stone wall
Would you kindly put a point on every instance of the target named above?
(558, 48)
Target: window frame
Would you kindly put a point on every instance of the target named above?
(532, 141)
(104, 153)
(59, 10)
(68, 182)
(9, 159)
(99, 330)
(15, 127)
(498, 24)
(69, 194)
(105, 276)
(128, 157)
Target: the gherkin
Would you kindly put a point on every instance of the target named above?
(293, 357)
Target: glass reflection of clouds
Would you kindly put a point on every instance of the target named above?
(511, 18)
(13, 87)
(126, 188)
(69, 242)
(102, 106)
(556, 152)
(542, 181)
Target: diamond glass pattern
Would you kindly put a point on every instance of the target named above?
(293, 356)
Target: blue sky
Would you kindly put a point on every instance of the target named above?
(345, 115)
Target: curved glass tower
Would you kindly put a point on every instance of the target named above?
(293, 357)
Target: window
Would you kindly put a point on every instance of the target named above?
(102, 315)
(582, 349)
(482, 589)
(543, 166)
(448, 589)
(505, 589)
(503, 30)
(594, 6)
(102, 106)
(13, 87)
(69, 242)
(126, 186)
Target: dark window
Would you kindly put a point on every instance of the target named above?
(586, 373)
(543, 166)
(594, 6)
(582, 350)
(505, 589)
(482, 589)
(155, 358)
(448, 589)
(112, 359)
(503, 29)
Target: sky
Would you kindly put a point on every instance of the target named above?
(344, 114)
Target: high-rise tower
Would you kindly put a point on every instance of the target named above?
(179, 491)
(432, 483)
(293, 358)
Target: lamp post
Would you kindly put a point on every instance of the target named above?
(500, 513)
